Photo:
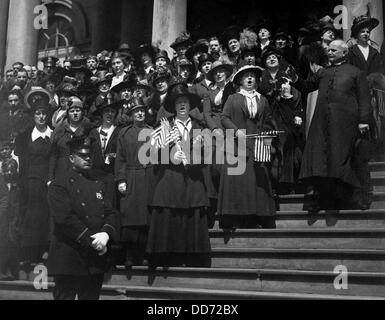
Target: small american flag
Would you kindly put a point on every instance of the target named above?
(262, 152)
(164, 135)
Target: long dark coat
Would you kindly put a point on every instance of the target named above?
(100, 170)
(80, 209)
(128, 168)
(178, 220)
(34, 164)
(284, 111)
(250, 193)
(343, 103)
(374, 63)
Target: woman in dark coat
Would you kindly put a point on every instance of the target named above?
(104, 145)
(178, 231)
(134, 180)
(33, 148)
(362, 54)
(246, 200)
(286, 105)
(213, 104)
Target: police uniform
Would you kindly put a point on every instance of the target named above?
(79, 210)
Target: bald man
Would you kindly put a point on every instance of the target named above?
(341, 115)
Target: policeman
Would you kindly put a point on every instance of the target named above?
(84, 226)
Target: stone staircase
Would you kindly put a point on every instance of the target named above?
(295, 261)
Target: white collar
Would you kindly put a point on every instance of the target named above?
(109, 131)
(36, 134)
(250, 94)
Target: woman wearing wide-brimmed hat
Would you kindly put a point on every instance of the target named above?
(134, 182)
(362, 54)
(246, 199)
(178, 233)
(33, 148)
(286, 105)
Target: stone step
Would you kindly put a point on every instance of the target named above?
(23, 290)
(299, 202)
(327, 219)
(299, 259)
(305, 238)
(377, 166)
(262, 280)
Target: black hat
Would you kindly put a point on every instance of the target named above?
(326, 27)
(281, 34)
(162, 54)
(269, 51)
(123, 85)
(263, 24)
(142, 85)
(137, 103)
(74, 70)
(184, 62)
(199, 46)
(232, 32)
(257, 70)
(178, 89)
(125, 50)
(362, 22)
(183, 39)
(78, 64)
(104, 76)
(50, 61)
(108, 100)
(160, 73)
(37, 98)
(204, 58)
(66, 88)
(78, 143)
(145, 48)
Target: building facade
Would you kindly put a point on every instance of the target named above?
(33, 29)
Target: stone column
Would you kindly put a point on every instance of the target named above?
(169, 20)
(360, 7)
(98, 27)
(22, 42)
(4, 9)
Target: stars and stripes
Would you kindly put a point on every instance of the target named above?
(165, 135)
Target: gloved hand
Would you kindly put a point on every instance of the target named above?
(100, 241)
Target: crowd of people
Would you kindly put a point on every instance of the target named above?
(71, 176)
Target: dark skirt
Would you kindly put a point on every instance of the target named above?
(36, 222)
(178, 231)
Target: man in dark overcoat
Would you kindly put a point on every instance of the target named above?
(84, 226)
(341, 112)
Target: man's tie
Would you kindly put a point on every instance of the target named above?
(104, 140)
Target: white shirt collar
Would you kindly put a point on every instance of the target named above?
(36, 134)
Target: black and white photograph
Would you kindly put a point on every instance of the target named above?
(208, 152)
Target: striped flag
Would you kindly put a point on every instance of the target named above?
(262, 152)
(164, 135)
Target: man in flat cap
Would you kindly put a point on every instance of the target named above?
(84, 227)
